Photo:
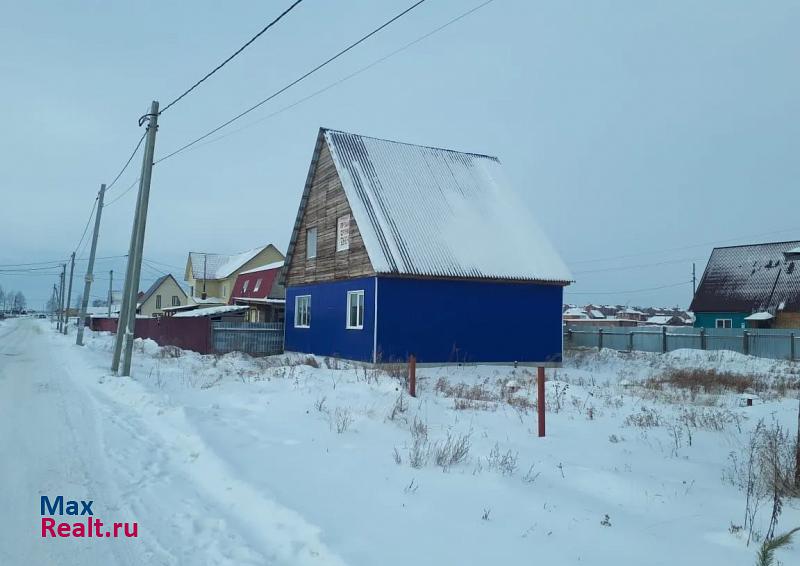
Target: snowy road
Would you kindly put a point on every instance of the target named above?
(62, 434)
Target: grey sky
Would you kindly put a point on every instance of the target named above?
(629, 127)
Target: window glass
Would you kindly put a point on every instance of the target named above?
(302, 311)
(355, 309)
(311, 243)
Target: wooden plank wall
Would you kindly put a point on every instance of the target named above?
(326, 203)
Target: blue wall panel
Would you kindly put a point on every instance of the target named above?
(445, 321)
(328, 335)
(709, 319)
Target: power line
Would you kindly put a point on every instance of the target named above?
(628, 291)
(680, 248)
(135, 150)
(293, 83)
(89, 221)
(353, 74)
(226, 61)
(122, 194)
(626, 267)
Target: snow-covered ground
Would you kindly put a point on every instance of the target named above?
(235, 460)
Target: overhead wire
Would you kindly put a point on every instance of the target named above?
(229, 59)
(291, 84)
(351, 75)
(124, 167)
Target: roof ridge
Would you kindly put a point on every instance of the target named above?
(754, 245)
(475, 154)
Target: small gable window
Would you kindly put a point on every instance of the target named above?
(176, 301)
(311, 243)
(158, 301)
(257, 287)
(343, 233)
(246, 285)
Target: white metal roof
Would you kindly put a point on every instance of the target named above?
(220, 266)
(209, 311)
(273, 265)
(763, 315)
(435, 212)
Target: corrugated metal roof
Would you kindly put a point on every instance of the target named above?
(750, 278)
(436, 212)
(220, 266)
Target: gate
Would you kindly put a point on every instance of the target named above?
(256, 338)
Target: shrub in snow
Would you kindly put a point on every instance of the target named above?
(451, 451)
(342, 418)
(645, 418)
(505, 462)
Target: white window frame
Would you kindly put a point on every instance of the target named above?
(176, 301)
(311, 253)
(297, 318)
(729, 322)
(343, 233)
(359, 309)
(224, 291)
(258, 285)
(158, 301)
(246, 285)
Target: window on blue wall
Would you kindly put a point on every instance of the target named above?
(724, 323)
(302, 311)
(355, 309)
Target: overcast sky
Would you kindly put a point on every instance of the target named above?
(639, 133)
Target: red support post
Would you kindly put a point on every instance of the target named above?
(412, 375)
(540, 399)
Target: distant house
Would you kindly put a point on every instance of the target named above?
(665, 320)
(575, 313)
(631, 314)
(401, 249)
(751, 286)
(260, 289)
(164, 292)
(211, 276)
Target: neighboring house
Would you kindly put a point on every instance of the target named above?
(261, 290)
(665, 320)
(631, 314)
(752, 286)
(400, 249)
(164, 292)
(575, 313)
(211, 276)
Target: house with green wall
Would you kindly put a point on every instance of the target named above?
(751, 286)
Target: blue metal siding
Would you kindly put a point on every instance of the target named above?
(446, 321)
(328, 335)
(709, 319)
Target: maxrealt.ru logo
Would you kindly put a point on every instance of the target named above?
(87, 527)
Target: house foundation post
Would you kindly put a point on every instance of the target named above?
(540, 399)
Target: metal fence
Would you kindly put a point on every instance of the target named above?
(257, 338)
(780, 344)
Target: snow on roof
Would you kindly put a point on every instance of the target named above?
(208, 301)
(436, 212)
(596, 314)
(220, 266)
(210, 311)
(260, 301)
(749, 278)
(659, 319)
(575, 312)
(762, 315)
(273, 265)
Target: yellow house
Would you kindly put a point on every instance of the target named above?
(211, 276)
(164, 292)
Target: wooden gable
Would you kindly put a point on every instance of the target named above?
(322, 206)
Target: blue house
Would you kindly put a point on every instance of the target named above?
(750, 286)
(402, 249)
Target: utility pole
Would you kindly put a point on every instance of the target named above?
(69, 292)
(694, 279)
(137, 238)
(53, 305)
(87, 287)
(205, 262)
(110, 290)
(61, 296)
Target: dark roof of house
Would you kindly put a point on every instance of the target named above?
(154, 287)
(757, 277)
(431, 212)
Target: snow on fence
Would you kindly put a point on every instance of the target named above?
(258, 338)
(781, 344)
